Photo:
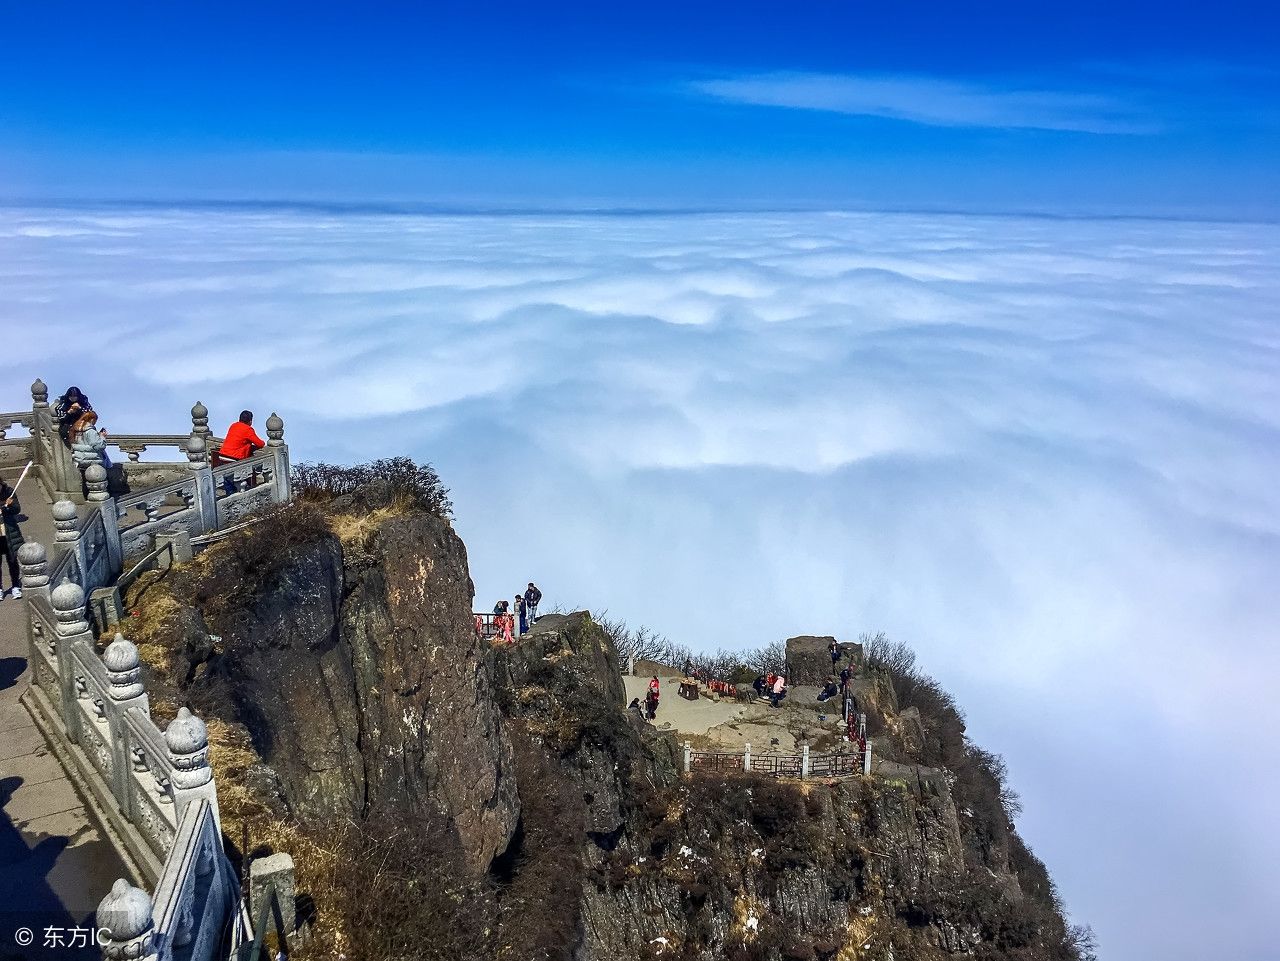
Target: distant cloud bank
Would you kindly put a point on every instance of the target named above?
(1042, 451)
(935, 101)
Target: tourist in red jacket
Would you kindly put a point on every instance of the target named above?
(242, 440)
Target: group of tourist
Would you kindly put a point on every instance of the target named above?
(770, 685)
(510, 620)
(77, 425)
(649, 711)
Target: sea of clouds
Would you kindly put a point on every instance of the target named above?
(1042, 451)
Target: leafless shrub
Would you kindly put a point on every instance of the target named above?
(375, 484)
(768, 658)
(642, 643)
(1083, 942)
(404, 893)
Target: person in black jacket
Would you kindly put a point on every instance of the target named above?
(11, 539)
(68, 409)
(531, 598)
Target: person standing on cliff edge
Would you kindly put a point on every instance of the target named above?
(531, 598)
(522, 614)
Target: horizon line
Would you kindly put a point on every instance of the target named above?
(436, 208)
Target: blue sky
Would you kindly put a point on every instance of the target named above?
(1082, 107)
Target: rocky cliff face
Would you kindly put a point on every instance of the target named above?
(359, 678)
(353, 666)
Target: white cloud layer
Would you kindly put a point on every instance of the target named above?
(934, 101)
(1042, 451)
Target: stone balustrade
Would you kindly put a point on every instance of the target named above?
(15, 450)
(154, 788)
(126, 511)
(64, 470)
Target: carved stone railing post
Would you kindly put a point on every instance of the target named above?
(200, 422)
(804, 760)
(95, 482)
(280, 454)
(125, 691)
(866, 758)
(111, 528)
(688, 757)
(68, 608)
(187, 740)
(205, 501)
(33, 563)
(66, 533)
(39, 427)
(125, 919)
(746, 757)
(58, 472)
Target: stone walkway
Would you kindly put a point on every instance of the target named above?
(55, 863)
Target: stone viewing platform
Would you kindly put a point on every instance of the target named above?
(100, 806)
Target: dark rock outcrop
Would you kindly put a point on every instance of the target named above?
(359, 676)
(357, 672)
(809, 658)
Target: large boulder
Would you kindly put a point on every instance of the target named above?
(809, 658)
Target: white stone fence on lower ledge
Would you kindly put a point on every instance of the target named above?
(802, 765)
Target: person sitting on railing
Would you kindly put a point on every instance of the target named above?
(11, 539)
(87, 441)
(242, 441)
(67, 409)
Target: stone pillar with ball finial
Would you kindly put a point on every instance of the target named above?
(200, 423)
(67, 536)
(187, 740)
(126, 924)
(72, 628)
(280, 453)
(205, 500)
(124, 692)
